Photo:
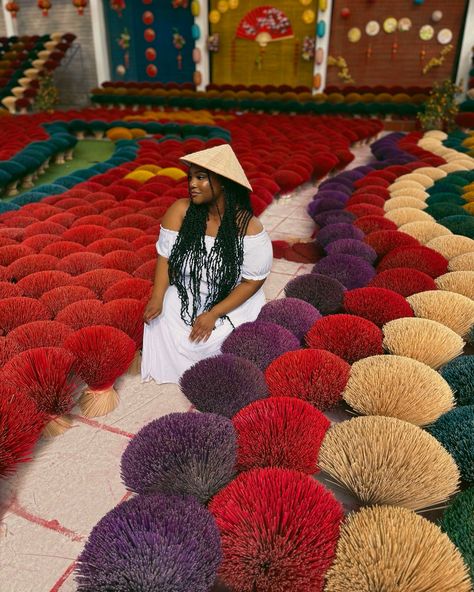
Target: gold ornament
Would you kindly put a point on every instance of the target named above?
(341, 64)
(323, 4)
(222, 6)
(195, 8)
(214, 17)
(233, 4)
(309, 16)
(436, 62)
(305, 2)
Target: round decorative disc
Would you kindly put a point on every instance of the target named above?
(426, 32)
(445, 36)
(372, 28)
(404, 24)
(354, 34)
(390, 25)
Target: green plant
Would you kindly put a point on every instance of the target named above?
(48, 95)
(441, 107)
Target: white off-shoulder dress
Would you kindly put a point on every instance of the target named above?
(167, 349)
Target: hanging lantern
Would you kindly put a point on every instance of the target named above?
(12, 8)
(44, 6)
(80, 5)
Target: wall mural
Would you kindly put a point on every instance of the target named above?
(266, 44)
(154, 40)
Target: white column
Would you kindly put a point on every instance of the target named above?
(204, 65)
(464, 64)
(11, 24)
(99, 34)
(324, 15)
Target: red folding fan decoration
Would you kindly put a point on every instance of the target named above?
(45, 374)
(20, 428)
(103, 354)
(264, 24)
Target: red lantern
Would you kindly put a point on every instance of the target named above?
(44, 6)
(150, 54)
(80, 5)
(13, 8)
(149, 35)
(151, 70)
(148, 17)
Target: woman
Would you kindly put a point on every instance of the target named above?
(213, 258)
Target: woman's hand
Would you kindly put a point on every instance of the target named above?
(203, 326)
(152, 310)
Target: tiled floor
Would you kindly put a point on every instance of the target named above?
(51, 504)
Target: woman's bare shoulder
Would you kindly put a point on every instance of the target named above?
(254, 227)
(175, 214)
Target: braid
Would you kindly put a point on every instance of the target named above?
(224, 261)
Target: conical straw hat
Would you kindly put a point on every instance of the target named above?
(221, 160)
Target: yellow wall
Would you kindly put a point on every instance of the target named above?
(281, 62)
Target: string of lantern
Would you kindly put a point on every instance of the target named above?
(45, 6)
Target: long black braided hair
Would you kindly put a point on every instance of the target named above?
(224, 261)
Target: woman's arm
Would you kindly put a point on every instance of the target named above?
(205, 322)
(172, 220)
(160, 285)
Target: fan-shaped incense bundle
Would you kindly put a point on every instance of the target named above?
(45, 374)
(391, 549)
(279, 432)
(314, 375)
(182, 453)
(464, 262)
(396, 386)
(448, 308)
(103, 354)
(279, 530)
(407, 215)
(460, 282)
(424, 340)
(384, 460)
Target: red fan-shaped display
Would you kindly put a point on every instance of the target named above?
(124, 260)
(40, 241)
(83, 313)
(58, 298)
(136, 288)
(31, 264)
(314, 375)
(19, 310)
(279, 530)
(421, 258)
(78, 263)
(8, 290)
(46, 375)
(384, 241)
(10, 253)
(378, 305)
(264, 24)
(280, 432)
(62, 249)
(20, 428)
(36, 284)
(99, 280)
(126, 314)
(403, 280)
(8, 349)
(107, 245)
(349, 337)
(40, 334)
(103, 354)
